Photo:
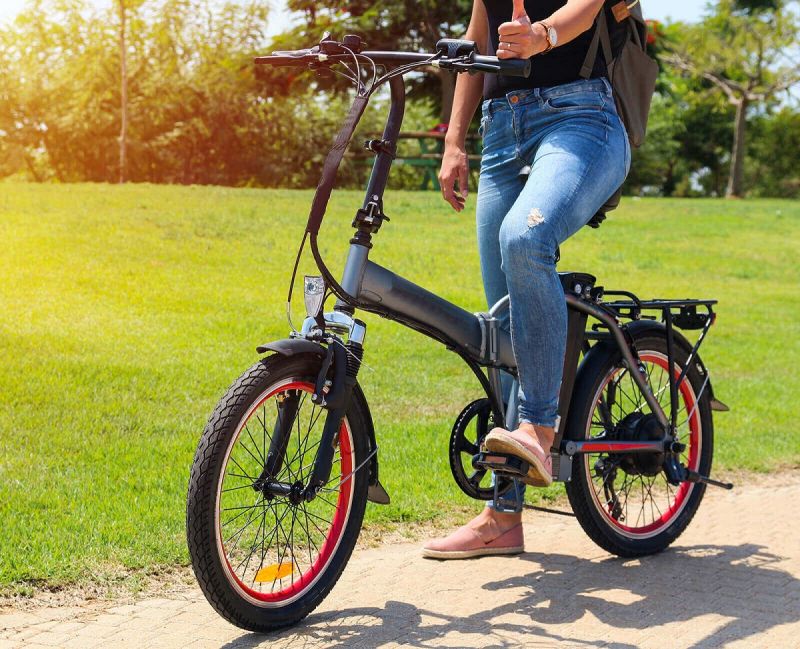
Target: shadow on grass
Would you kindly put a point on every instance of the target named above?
(737, 582)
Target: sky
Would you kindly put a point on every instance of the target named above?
(688, 10)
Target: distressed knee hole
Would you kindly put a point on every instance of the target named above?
(535, 217)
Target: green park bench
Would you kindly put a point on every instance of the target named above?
(429, 158)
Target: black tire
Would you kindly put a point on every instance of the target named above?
(227, 459)
(662, 518)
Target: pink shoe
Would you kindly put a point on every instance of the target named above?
(520, 444)
(466, 543)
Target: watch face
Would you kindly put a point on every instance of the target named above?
(552, 35)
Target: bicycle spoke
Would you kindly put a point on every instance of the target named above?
(270, 543)
(631, 484)
(312, 521)
(259, 461)
(241, 529)
(244, 486)
(253, 548)
(310, 541)
(249, 477)
(239, 475)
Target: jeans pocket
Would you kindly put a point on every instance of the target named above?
(484, 124)
(579, 100)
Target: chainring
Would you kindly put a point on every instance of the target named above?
(465, 442)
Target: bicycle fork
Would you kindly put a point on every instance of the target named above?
(332, 391)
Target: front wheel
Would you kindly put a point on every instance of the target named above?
(624, 502)
(265, 561)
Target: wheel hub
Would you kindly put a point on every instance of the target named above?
(641, 428)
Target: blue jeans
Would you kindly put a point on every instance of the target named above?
(578, 152)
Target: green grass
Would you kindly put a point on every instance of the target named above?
(126, 312)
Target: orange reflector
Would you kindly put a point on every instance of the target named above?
(273, 572)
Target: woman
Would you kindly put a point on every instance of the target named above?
(566, 129)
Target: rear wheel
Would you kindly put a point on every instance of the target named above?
(624, 502)
(265, 561)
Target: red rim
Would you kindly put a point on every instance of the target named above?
(676, 500)
(336, 528)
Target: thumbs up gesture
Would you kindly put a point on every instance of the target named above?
(519, 12)
(518, 38)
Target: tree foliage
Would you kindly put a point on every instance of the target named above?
(386, 25)
(199, 112)
(745, 50)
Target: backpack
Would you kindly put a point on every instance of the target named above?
(622, 33)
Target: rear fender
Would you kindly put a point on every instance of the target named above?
(639, 328)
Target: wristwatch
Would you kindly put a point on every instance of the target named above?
(550, 34)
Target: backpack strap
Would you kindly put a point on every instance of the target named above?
(591, 54)
(600, 38)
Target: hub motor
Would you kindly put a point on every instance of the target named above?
(641, 428)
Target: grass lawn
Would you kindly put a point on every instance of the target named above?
(125, 312)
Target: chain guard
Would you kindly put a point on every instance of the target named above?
(465, 443)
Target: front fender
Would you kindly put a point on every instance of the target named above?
(292, 346)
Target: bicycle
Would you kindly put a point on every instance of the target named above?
(277, 491)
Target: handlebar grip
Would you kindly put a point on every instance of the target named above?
(296, 58)
(505, 67)
(515, 67)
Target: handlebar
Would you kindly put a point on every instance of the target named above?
(465, 63)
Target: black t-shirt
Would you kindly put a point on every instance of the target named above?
(559, 65)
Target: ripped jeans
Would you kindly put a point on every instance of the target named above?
(578, 152)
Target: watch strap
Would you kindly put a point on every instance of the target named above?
(546, 35)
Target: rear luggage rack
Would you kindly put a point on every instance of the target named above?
(687, 317)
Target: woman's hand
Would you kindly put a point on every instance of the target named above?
(455, 168)
(518, 38)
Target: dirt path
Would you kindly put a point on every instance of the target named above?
(733, 579)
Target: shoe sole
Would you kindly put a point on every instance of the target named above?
(469, 554)
(538, 475)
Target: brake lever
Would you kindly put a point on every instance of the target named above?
(466, 64)
(460, 64)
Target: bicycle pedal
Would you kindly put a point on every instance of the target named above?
(502, 463)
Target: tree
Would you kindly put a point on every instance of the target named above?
(774, 154)
(123, 73)
(387, 24)
(742, 50)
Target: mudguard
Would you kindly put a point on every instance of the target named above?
(641, 327)
(292, 346)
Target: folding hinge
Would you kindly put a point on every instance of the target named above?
(371, 216)
(489, 326)
(381, 146)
